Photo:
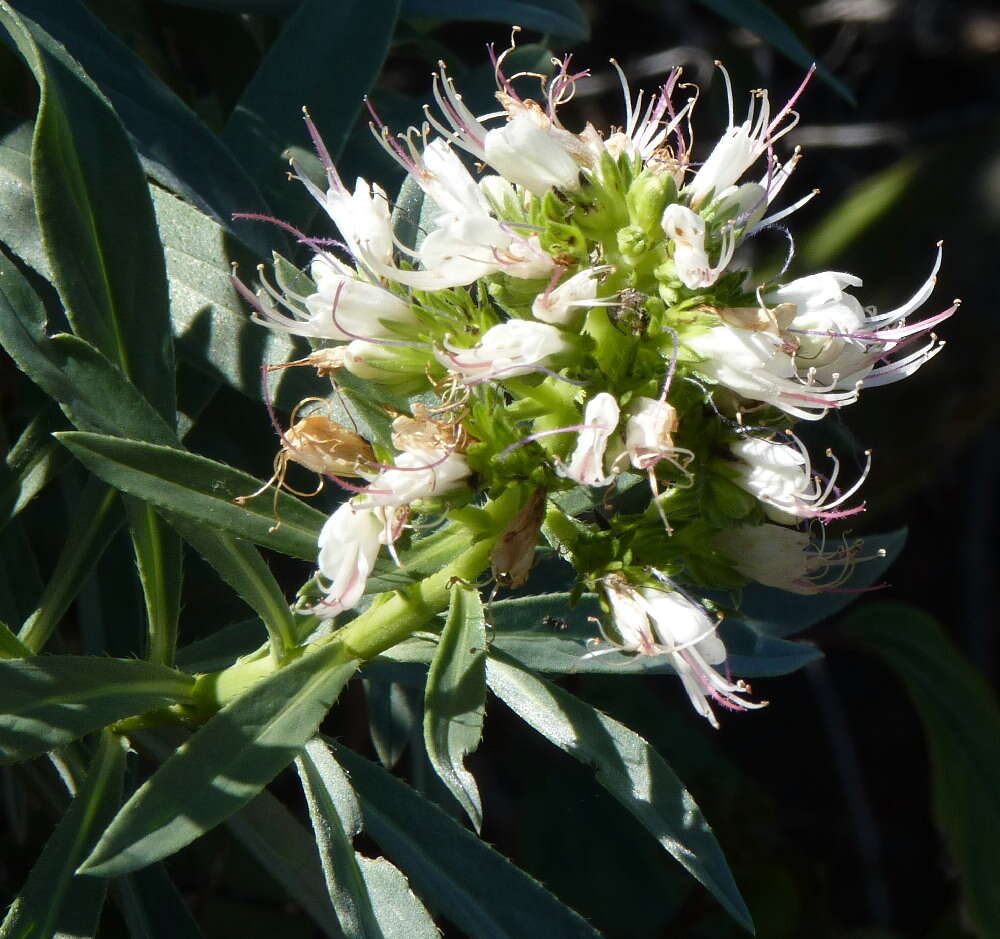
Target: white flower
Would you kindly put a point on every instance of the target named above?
(839, 342)
(780, 476)
(529, 156)
(786, 558)
(587, 465)
(687, 231)
(654, 621)
(417, 474)
(346, 308)
(740, 146)
(516, 347)
(756, 365)
(563, 305)
(648, 432)
(349, 544)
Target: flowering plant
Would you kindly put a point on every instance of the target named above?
(568, 428)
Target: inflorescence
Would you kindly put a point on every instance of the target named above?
(569, 318)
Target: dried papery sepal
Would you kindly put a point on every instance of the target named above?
(320, 445)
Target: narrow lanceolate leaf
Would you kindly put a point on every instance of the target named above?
(153, 907)
(629, 768)
(287, 851)
(455, 699)
(326, 58)
(394, 713)
(10, 646)
(31, 464)
(96, 517)
(99, 234)
(241, 566)
(97, 220)
(200, 489)
(224, 765)
(47, 701)
(962, 722)
(55, 901)
(472, 885)
(176, 147)
(336, 819)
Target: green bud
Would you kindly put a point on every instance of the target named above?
(647, 197)
(632, 243)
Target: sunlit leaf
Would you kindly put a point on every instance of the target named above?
(472, 885)
(455, 699)
(47, 701)
(629, 768)
(225, 764)
(200, 489)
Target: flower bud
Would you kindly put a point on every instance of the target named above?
(647, 198)
(531, 157)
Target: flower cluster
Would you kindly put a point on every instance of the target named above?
(568, 313)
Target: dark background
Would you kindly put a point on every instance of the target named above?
(822, 800)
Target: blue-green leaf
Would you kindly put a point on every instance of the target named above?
(455, 698)
(96, 220)
(472, 885)
(225, 764)
(55, 901)
(177, 148)
(336, 819)
(49, 700)
(962, 723)
(326, 58)
(629, 768)
(200, 489)
(31, 464)
(153, 907)
(96, 518)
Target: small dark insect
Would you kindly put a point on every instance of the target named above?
(555, 624)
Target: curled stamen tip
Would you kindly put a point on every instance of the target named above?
(305, 111)
(717, 63)
(882, 553)
(940, 244)
(829, 452)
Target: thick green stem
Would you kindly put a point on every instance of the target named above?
(386, 622)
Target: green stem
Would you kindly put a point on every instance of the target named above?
(385, 623)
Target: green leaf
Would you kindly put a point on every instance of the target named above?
(326, 58)
(222, 648)
(10, 646)
(761, 20)
(159, 558)
(54, 901)
(472, 885)
(177, 148)
(96, 517)
(49, 700)
(96, 220)
(286, 850)
(105, 258)
(241, 566)
(961, 720)
(629, 768)
(31, 464)
(336, 819)
(153, 907)
(455, 698)
(199, 488)
(18, 222)
(562, 17)
(225, 764)
(546, 635)
(393, 715)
